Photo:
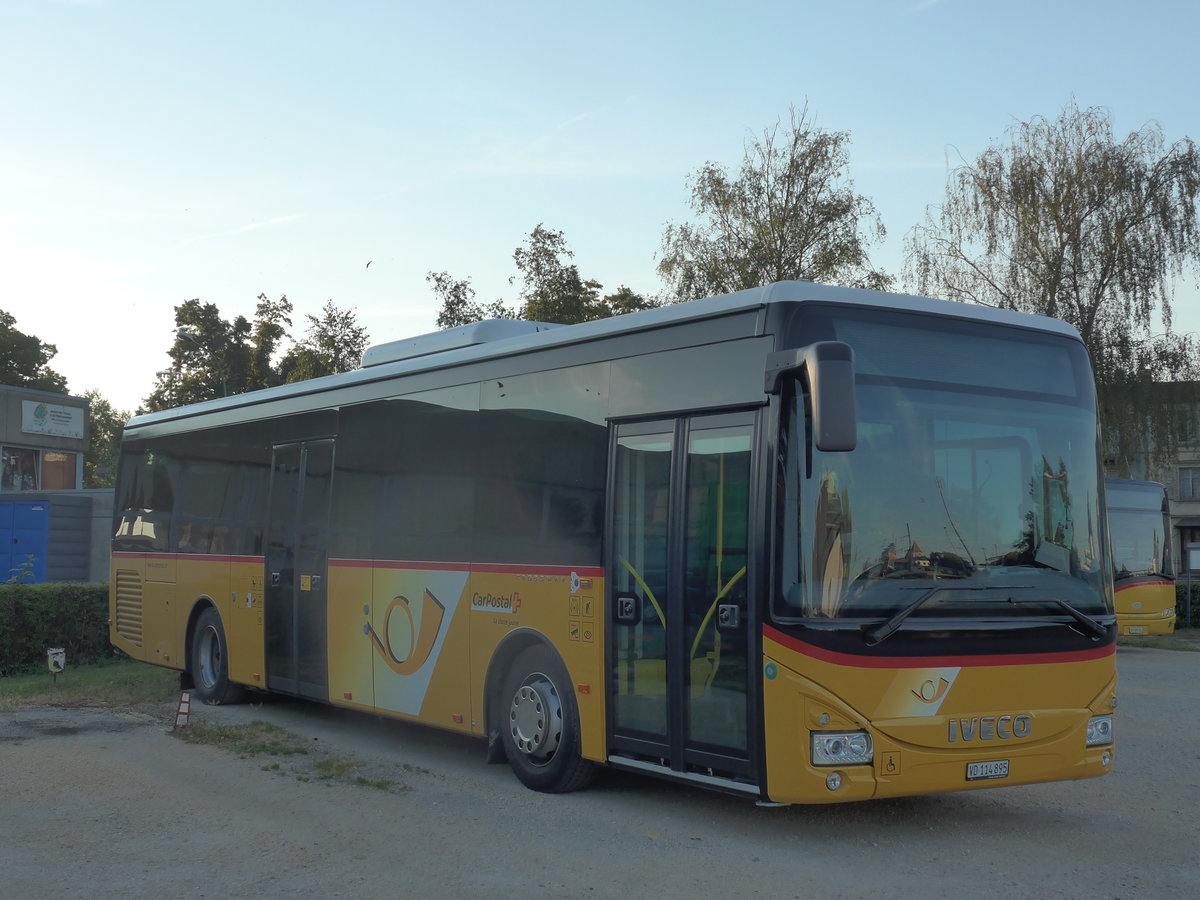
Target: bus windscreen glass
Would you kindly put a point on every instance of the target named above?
(974, 492)
(1139, 527)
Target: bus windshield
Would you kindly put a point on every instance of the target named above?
(974, 491)
(1138, 526)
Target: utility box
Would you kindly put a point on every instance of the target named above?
(24, 540)
(45, 536)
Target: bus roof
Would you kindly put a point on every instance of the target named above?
(499, 338)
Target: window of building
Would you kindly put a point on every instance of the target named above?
(26, 469)
(1189, 482)
(20, 469)
(58, 471)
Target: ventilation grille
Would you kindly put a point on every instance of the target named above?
(129, 606)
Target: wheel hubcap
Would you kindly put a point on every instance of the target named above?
(535, 718)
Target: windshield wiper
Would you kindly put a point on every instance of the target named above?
(876, 634)
(1091, 625)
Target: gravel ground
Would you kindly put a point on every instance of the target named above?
(100, 803)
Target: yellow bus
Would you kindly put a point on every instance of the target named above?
(1139, 523)
(798, 543)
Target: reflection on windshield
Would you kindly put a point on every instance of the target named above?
(1138, 543)
(974, 490)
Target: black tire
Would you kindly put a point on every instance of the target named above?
(539, 724)
(210, 663)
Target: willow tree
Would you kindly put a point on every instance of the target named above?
(1064, 220)
(789, 212)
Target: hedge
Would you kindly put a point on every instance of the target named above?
(36, 617)
(1181, 605)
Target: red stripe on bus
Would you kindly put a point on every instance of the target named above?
(1143, 582)
(932, 662)
(493, 568)
(188, 557)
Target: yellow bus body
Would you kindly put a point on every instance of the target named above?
(929, 718)
(398, 633)
(1145, 606)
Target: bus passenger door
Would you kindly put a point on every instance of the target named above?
(297, 570)
(679, 625)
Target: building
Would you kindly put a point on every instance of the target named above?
(1181, 476)
(50, 528)
(1183, 490)
(43, 439)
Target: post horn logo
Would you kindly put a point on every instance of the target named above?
(403, 646)
(929, 692)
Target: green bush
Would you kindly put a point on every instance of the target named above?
(1181, 605)
(36, 617)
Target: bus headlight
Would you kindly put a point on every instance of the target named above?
(1099, 731)
(843, 748)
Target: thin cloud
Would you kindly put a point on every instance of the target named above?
(554, 152)
(253, 226)
(899, 164)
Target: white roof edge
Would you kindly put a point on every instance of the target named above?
(537, 335)
(452, 339)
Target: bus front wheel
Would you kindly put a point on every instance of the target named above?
(210, 662)
(540, 724)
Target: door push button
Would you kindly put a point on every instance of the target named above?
(627, 610)
(729, 616)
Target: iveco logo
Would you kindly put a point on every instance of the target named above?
(990, 728)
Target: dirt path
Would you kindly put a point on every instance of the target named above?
(97, 803)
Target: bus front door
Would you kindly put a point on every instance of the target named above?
(297, 569)
(679, 635)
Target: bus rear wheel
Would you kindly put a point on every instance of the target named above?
(539, 725)
(210, 662)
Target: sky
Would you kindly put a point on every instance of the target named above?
(153, 152)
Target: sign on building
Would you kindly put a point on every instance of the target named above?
(38, 417)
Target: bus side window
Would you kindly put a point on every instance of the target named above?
(145, 509)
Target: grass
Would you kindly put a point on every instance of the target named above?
(119, 683)
(264, 739)
(253, 739)
(124, 683)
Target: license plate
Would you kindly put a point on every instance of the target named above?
(1136, 629)
(983, 771)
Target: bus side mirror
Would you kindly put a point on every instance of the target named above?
(826, 371)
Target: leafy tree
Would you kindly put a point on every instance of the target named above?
(272, 318)
(625, 300)
(210, 358)
(551, 289)
(335, 343)
(1065, 220)
(789, 213)
(105, 424)
(458, 302)
(24, 359)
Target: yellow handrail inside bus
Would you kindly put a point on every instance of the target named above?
(712, 609)
(645, 587)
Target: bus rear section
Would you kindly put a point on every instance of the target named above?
(1139, 525)
(942, 615)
